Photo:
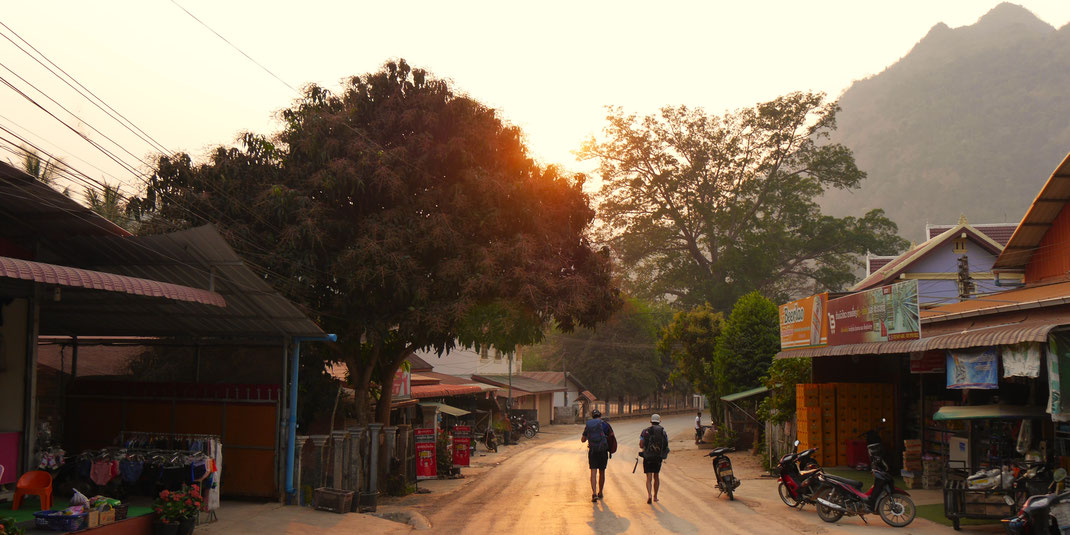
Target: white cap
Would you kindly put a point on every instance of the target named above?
(655, 418)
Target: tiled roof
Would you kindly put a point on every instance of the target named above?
(1044, 294)
(999, 232)
(556, 378)
(877, 262)
(527, 384)
(893, 268)
(1047, 206)
(417, 364)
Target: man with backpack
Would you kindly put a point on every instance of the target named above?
(598, 435)
(654, 448)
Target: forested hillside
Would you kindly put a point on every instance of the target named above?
(972, 120)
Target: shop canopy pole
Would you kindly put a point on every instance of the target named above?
(291, 428)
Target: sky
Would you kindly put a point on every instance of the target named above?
(549, 67)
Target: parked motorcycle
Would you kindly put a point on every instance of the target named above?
(488, 438)
(799, 477)
(522, 425)
(727, 482)
(841, 496)
(1035, 517)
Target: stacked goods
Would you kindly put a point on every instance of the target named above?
(932, 473)
(827, 453)
(912, 456)
(910, 479)
(830, 414)
(808, 416)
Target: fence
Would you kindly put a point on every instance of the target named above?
(632, 406)
(343, 460)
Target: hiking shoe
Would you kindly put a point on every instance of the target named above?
(599, 495)
(594, 497)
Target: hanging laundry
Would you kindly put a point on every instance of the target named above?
(1021, 360)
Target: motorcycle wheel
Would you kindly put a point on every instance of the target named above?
(896, 510)
(829, 514)
(729, 493)
(785, 495)
(529, 432)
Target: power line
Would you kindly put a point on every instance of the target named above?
(235, 47)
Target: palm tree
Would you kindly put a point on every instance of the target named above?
(109, 204)
(44, 170)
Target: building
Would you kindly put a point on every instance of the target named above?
(570, 405)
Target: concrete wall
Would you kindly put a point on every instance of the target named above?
(467, 362)
(13, 369)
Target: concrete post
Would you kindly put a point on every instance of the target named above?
(339, 459)
(299, 447)
(356, 459)
(319, 445)
(373, 468)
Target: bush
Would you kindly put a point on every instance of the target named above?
(724, 437)
(8, 526)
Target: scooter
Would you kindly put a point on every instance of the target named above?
(727, 482)
(1035, 516)
(841, 496)
(798, 482)
(521, 425)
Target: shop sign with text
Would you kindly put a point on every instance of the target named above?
(402, 387)
(426, 463)
(462, 437)
(803, 323)
(882, 314)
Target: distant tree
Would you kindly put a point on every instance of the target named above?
(402, 216)
(43, 169)
(747, 344)
(618, 358)
(783, 375)
(704, 208)
(689, 342)
(109, 204)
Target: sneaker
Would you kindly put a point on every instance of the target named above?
(594, 497)
(599, 495)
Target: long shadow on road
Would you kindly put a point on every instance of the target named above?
(606, 522)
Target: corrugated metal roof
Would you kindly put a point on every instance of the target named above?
(441, 390)
(1011, 300)
(14, 268)
(198, 258)
(1038, 219)
(745, 394)
(526, 384)
(28, 206)
(979, 337)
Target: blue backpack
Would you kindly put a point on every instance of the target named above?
(596, 435)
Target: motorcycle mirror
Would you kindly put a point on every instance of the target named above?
(1008, 499)
(1059, 474)
(797, 443)
(884, 420)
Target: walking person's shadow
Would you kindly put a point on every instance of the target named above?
(606, 521)
(672, 522)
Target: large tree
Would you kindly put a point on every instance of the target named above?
(746, 345)
(704, 208)
(690, 341)
(403, 216)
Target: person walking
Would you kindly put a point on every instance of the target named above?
(654, 448)
(698, 427)
(598, 435)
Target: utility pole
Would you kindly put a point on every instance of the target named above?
(966, 286)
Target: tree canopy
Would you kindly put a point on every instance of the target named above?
(690, 341)
(704, 208)
(401, 214)
(746, 345)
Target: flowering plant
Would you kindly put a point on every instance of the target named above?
(9, 527)
(173, 507)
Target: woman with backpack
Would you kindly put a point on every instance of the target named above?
(654, 448)
(598, 435)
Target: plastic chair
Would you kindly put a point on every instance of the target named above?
(34, 483)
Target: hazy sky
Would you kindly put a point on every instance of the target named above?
(550, 67)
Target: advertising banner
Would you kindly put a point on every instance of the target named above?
(879, 315)
(426, 464)
(462, 437)
(973, 368)
(402, 386)
(803, 323)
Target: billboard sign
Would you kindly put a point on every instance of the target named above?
(402, 387)
(426, 462)
(803, 323)
(882, 314)
(461, 440)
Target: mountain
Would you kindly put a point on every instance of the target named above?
(972, 120)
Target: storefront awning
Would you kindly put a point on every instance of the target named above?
(441, 391)
(442, 407)
(978, 337)
(978, 412)
(71, 277)
(744, 394)
(587, 394)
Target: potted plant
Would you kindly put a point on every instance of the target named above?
(176, 512)
(8, 526)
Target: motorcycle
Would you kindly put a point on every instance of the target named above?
(1035, 517)
(488, 438)
(799, 477)
(841, 496)
(521, 425)
(727, 482)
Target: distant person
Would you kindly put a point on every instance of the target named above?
(654, 448)
(598, 435)
(698, 427)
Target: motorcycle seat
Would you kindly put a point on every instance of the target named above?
(719, 451)
(845, 481)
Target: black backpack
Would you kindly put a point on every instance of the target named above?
(596, 436)
(656, 443)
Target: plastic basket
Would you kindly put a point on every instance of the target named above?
(333, 500)
(56, 521)
(121, 510)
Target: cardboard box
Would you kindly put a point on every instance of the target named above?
(107, 517)
(92, 519)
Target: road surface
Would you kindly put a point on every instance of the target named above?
(546, 491)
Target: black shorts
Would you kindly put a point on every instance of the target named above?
(652, 466)
(597, 460)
